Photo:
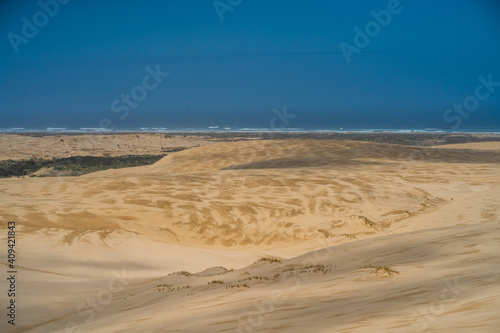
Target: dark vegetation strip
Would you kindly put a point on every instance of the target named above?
(74, 166)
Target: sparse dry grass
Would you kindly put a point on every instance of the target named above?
(237, 285)
(310, 268)
(164, 287)
(170, 288)
(270, 260)
(227, 271)
(266, 278)
(184, 273)
(381, 269)
(324, 232)
(216, 282)
(367, 222)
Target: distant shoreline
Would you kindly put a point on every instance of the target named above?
(404, 138)
(244, 131)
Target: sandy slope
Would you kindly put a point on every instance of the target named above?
(474, 146)
(113, 236)
(16, 147)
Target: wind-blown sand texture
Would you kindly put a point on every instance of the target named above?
(358, 236)
(17, 146)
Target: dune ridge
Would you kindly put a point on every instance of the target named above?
(431, 214)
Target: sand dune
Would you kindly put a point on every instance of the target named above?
(495, 146)
(15, 146)
(114, 236)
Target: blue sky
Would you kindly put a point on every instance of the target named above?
(262, 55)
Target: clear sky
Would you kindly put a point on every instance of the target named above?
(231, 62)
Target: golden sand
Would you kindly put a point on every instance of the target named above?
(359, 236)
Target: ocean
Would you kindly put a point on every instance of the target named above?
(229, 129)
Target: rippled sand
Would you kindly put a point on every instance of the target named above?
(358, 236)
